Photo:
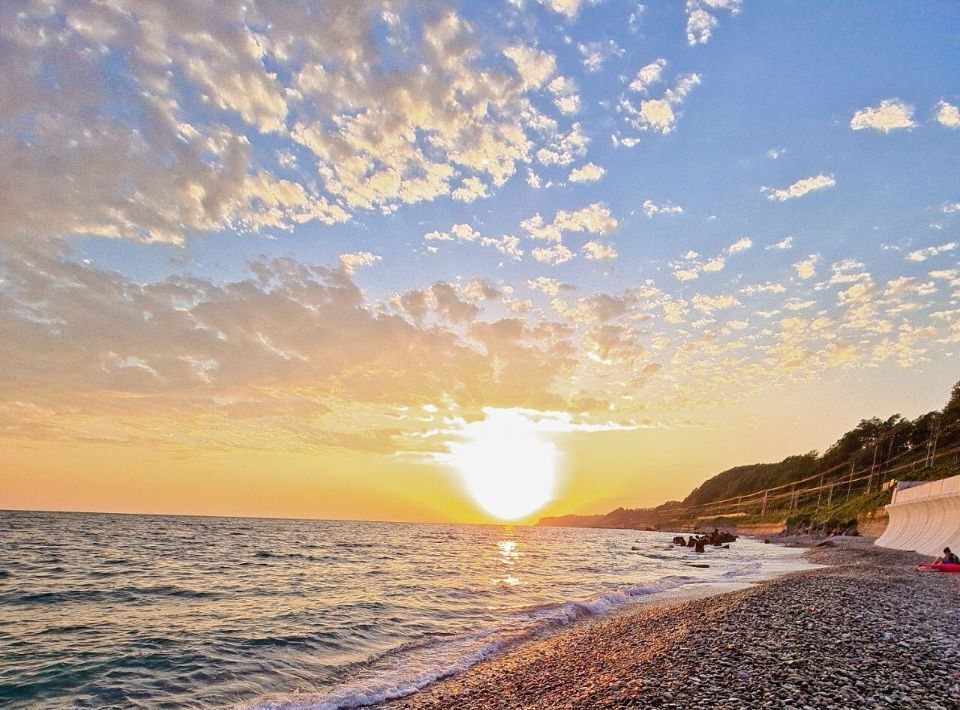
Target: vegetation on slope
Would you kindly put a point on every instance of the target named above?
(895, 447)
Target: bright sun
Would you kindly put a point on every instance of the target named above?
(508, 468)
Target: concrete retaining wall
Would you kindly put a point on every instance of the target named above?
(924, 518)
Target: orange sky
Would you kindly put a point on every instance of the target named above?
(597, 471)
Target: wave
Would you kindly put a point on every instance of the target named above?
(123, 594)
(412, 666)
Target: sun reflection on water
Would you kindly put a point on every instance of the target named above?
(508, 554)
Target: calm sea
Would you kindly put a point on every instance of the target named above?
(141, 611)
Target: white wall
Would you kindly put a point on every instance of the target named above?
(924, 518)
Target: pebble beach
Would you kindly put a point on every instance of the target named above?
(864, 631)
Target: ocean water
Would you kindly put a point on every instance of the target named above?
(141, 611)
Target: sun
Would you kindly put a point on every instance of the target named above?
(507, 466)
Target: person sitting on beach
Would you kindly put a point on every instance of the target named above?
(948, 558)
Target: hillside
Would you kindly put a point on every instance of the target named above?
(858, 464)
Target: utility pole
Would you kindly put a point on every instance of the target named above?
(853, 468)
(936, 436)
(932, 445)
(763, 504)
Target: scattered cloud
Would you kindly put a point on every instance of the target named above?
(740, 245)
(701, 20)
(647, 76)
(783, 244)
(799, 188)
(554, 254)
(928, 252)
(587, 173)
(349, 263)
(565, 96)
(889, 115)
(651, 208)
(534, 66)
(593, 219)
(658, 115)
(548, 286)
(807, 268)
(948, 115)
(599, 251)
(473, 188)
(567, 8)
(595, 54)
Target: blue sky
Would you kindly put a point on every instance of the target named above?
(775, 76)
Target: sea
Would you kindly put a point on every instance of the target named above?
(132, 611)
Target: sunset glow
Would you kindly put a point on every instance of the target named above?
(509, 470)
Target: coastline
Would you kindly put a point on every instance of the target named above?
(863, 630)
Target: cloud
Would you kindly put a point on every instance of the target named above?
(775, 153)
(354, 130)
(691, 266)
(507, 244)
(567, 8)
(565, 96)
(598, 251)
(948, 115)
(555, 254)
(587, 173)
(650, 208)
(648, 76)
(550, 287)
(349, 263)
(806, 269)
(799, 188)
(595, 54)
(534, 66)
(889, 115)
(563, 149)
(275, 360)
(709, 304)
(783, 244)
(740, 245)
(465, 233)
(926, 253)
(595, 218)
(658, 115)
(473, 188)
(701, 23)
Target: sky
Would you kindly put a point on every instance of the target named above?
(288, 258)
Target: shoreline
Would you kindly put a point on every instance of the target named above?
(863, 630)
